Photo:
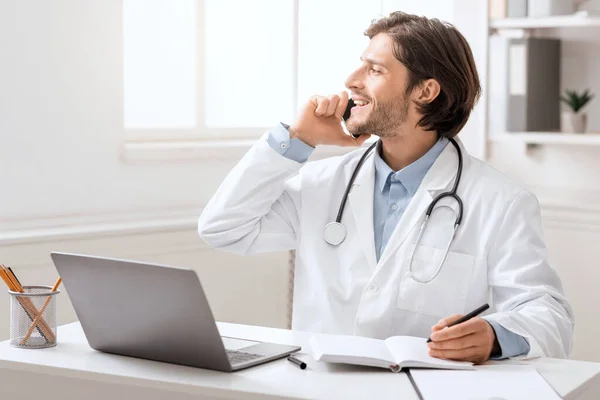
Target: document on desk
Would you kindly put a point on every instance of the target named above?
(505, 382)
(395, 353)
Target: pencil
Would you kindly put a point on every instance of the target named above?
(39, 316)
(5, 279)
(15, 284)
(26, 303)
(13, 274)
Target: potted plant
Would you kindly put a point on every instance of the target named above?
(574, 121)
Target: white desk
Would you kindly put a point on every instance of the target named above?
(72, 370)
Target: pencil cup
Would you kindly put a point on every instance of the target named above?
(33, 317)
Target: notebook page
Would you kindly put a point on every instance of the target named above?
(410, 348)
(510, 382)
(350, 349)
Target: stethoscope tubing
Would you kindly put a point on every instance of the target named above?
(335, 232)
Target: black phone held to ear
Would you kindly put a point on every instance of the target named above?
(348, 112)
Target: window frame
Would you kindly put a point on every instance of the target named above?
(201, 133)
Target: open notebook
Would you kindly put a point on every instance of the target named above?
(395, 353)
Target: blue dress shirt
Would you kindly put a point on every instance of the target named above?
(393, 192)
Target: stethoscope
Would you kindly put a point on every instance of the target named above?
(335, 232)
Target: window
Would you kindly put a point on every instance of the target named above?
(160, 64)
(233, 68)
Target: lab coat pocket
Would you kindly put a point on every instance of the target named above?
(446, 293)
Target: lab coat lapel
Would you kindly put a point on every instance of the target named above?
(438, 179)
(360, 200)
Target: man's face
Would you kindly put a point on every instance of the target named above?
(381, 82)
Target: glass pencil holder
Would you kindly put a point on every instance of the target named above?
(33, 317)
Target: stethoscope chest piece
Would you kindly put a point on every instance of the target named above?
(335, 233)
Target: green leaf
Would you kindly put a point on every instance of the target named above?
(576, 101)
(573, 97)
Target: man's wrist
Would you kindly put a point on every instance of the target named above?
(496, 349)
(296, 134)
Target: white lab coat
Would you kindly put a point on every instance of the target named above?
(269, 203)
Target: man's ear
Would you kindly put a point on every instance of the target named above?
(427, 91)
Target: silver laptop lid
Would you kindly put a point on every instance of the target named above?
(143, 310)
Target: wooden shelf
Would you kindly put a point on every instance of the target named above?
(563, 21)
(540, 138)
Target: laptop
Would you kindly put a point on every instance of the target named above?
(154, 312)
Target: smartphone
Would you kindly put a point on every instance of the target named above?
(348, 112)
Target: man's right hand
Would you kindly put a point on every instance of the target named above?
(320, 122)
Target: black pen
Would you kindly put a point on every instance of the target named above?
(467, 317)
(299, 363)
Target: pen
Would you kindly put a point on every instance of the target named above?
(467, 317)
(299, 363)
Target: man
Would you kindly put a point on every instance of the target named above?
(415, 89)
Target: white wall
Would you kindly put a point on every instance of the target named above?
(572, 237)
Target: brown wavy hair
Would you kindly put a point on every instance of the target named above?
(430, 48)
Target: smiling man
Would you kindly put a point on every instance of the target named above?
(381, 275)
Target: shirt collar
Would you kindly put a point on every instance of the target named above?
(412, 175)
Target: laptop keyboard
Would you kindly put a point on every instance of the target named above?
(238, 357)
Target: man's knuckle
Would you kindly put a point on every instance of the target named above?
(454, 317)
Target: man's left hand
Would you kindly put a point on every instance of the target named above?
(472, 340)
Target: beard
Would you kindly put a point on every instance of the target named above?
(383, 120)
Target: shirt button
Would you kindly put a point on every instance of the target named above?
(373, 288)
(283, 145)
(394, 207)
(394, 178)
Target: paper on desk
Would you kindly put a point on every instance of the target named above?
(490, 382)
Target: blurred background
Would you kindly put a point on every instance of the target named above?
(119, 119)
